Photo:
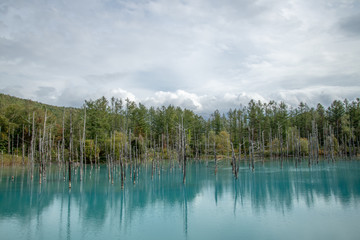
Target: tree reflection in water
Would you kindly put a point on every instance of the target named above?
(94, 203)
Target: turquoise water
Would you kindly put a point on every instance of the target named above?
(320, 202)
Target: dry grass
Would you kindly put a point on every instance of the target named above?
(9, 160)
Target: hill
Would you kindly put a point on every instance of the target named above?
(7, 100)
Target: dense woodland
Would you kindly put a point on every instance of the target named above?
(123, 131)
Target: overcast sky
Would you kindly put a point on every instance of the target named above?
(198, 54)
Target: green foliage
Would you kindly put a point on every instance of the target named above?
(223, 143)
(158, 128)
(304, 143)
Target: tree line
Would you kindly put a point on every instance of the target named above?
(122, 131)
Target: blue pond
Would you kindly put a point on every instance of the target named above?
(273, 202)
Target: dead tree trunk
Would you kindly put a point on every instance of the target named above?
(43, 149)
(184, 149)
(63, 146)
(96, 155)
(215, 157)
(121, 167)
(235, 169)
(23, 146)
(84, 139)
(32, 145)
(70, 151)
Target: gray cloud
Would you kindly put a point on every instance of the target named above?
(107, 77)
(351, 25)
(303, 82)
(45, 91)
(198, 54)
(46, 94)
(73, 97)
(14, 90)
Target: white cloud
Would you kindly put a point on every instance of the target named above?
(120, 93)
(177, 98)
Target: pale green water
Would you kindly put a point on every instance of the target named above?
(321, 202)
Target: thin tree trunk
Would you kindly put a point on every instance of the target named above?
(215, 157)
(70, 151)
(44, 137)
(32, 145)
(23, 147)
(84, 141)
(81, 154)
(9, 140)
(96, 155)
(234, 161)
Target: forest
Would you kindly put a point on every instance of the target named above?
(123, 131)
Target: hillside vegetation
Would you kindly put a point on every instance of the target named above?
(122, 128)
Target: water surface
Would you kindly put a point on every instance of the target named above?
(320, 202)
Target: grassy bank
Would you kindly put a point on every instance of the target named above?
(9, 160)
